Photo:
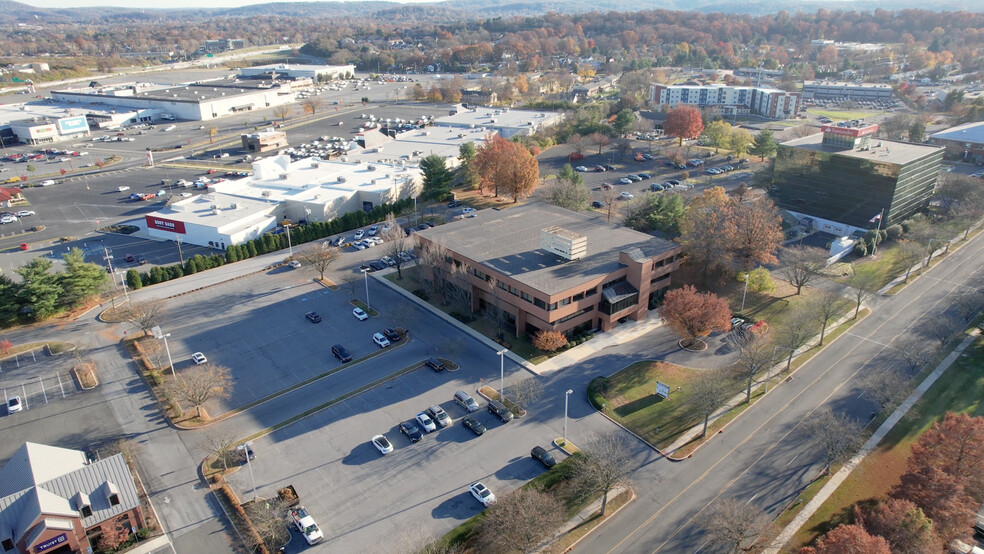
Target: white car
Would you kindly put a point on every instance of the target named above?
(382, 444)
(294, 264)
(14, 404)
(185, 194)
(25, 213)
(381, 340)
(360, 314)
(359, 234)
(375, 240)
(426, 422)
(373, 230)
(626, 196)
(123, 188)
(580, 168)
(466, 211)
(481, 493)
(199, 358)
(7, 219)
(387, 227)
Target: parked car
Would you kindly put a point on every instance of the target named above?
(644, 176)
(481, 493)
(499, 410)
(380, 340)
(388, 261)
(313, 317)
(426, 422)
(633, 177)
(123, 188)
(359, 234)
(454, 203)
(382, 444)
(625, 181)
(435, 364)
(14, 404)
(466, 211)
(610, 167)
(410, 429)
(439, 416)
(294, 264)
(580, 168)
(341, 353)
(474, 425)
(597, 204)
(540, 454)
(391, 334)
(360, 314)
(373, 230)
(465, 400)
(377, 265)
(626, 196)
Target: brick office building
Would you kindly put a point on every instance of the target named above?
(549, 268)
(53, 500)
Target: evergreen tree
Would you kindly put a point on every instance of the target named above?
(40, 290)
(81, 280)
(133, 279)
(9, 293)
(765, 144)
(437, 178)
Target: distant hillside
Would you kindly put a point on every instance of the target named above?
(16, 12)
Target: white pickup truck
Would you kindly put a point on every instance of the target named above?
(306, 525)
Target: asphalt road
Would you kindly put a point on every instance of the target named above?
(764, 458)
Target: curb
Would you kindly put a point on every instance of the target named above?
(79, 380)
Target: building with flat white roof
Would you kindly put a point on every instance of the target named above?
(853, 91)
(505, 121)
(313, 72)
(965, 141)
(310, 189)
(412, 146)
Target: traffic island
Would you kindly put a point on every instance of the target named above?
(489, 393)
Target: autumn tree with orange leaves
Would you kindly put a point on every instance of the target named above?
(848, 538)
(683, 122)
(506, 167)
(694, 315)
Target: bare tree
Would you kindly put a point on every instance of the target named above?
(943, 328)
(913, 355)
(969, 304)
(600, 140)
(518, 521)
(437, 260)
(494, 312)
(568, 194)
(797, 329)
(734, 526)
(311, 105)
(802, 264)
(609, 198)
(862, 285)
(282, 111)
(605, 463)
(909, 254)
(526, 392)
(825, 306)
(144, 315)
(221, 445)
(886, 386)
(199, 384)
(708, 393)
(318, 256)
(268, 518)
(837, 435)
(396, 241)
(754, 354)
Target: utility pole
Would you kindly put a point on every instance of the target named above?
(180, 256)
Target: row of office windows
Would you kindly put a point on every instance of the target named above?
(530, 298)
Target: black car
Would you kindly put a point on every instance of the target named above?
(473, 424)
(545, 458)
(673, 182)
(391, 334)
(313, 317)
(410, 429)
(454, 203)
(341, 353)
(597, 204)
(435, 364)
(610, 167)
(377, 265)
(644, 176)
(500, 410)
(423, 226)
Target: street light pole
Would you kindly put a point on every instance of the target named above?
(290, 249)
(158, 334)
(502, 365)
(244, 448)
(566, 396)
(365, 273)
(743, 294)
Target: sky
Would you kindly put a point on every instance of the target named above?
(158, 3)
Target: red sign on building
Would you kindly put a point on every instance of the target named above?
(850, 131)
(165, 224)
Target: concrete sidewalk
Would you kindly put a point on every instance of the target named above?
(838, 478)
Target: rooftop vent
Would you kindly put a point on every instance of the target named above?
(564, 243)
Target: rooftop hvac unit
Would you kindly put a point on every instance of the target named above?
(461, 135)
(284, 175)
(212, 206)
(341, 179)
(491, 121)
(373, 181)
(370, 168)
(215, 211)
(265, 194)
(233, 206)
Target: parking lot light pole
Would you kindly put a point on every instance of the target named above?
(160, 335)
(244, 448)
(744, 293)
(566, 396)
(365, 273)
(290, 249)
(502, 365)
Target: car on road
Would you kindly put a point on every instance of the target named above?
(313, 317)
(410, 429)
(380, 340)
(481, 493)
(626, 196)
(439, 416)
(199, 358)
(123, 188)
(540, 454)
(359, 234)
(435, 364)
(391, 334)
(466, 401)
(341, 353)
(597, 204)
(49, 182)
(360, 314)
(382, 444)
(625, 181)
(14, 404)
(499, 410)
(474, 424)
(426, 422)
(466, 211)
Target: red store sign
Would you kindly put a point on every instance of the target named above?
(162, 224)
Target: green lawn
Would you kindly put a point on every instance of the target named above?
(837, 115)
(958, 390)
